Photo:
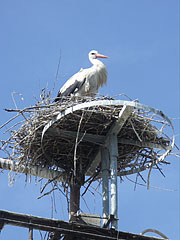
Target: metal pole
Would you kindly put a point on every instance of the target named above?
(113, 148)
(105, 184)
(30, 234)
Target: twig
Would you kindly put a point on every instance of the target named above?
(144, 185)
(135, 182)
(95, 175)
(85, 203)
(12, 95)
(11, 119)
(135, 131)
(7, 130)
(148, 180)
(76, 144)
(160, 170)
(47, 193)
(57, 72)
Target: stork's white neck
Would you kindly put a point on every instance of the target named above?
(95, 61)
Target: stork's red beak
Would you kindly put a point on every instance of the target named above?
(101, 56)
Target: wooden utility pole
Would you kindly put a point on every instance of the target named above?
(77, 180)
(74, 200)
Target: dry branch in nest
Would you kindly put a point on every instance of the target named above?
(80, 134)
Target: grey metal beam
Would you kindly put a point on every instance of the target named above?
(143, 144)
(56, 132)
(94, 164)
(99, 139)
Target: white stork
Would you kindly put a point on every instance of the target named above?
(87, 81)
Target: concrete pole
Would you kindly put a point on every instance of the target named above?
(105, 183)
(113, 149)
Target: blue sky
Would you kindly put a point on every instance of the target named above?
(142, 40)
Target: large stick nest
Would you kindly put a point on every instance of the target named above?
(57, 150)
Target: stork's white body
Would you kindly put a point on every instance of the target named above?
(87, 81)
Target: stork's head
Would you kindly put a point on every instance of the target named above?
(94, 54)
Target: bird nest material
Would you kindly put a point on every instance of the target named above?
(57, 134)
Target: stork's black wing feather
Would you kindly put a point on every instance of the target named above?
(70, 90)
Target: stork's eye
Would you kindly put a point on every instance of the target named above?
(93, 53)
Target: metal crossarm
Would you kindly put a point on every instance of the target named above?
(63, 228)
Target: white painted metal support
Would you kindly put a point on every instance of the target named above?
(115, 129)
(37, 171)
(113, 149)
(105, 184)
(112, 142)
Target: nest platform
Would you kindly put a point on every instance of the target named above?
(54, 135)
